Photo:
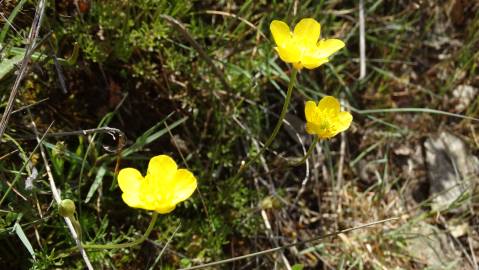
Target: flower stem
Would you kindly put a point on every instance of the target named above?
(292, 81)
(310, 151)
(129, 244)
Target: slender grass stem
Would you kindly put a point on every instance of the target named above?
(308, 154)
(129, 244)
(292, 81)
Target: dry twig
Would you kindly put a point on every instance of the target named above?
(57, 197)
(31, 42)
(362, 42)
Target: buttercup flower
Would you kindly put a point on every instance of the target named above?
(325, 119)
(302, 47)
(161, 189)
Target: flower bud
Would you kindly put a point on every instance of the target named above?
(270, 203)
(66, 208)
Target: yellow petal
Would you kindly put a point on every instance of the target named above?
(311, 62)
(312, 128)
(310, 111)
(133, 199)
(327, 134)
(161, 169)
(343, 121)
(184, 185)
(327, 47)
(289, 53)
(164, 208)
(307, 32)
(329, 106)
(129, 180)
(280, 31)
(149, 196)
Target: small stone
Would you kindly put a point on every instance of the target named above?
(459, 229)
(431, 247)
(463, 96)
(451, 170)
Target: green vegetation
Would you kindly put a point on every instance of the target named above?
(201, 82)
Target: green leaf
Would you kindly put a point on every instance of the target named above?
(297, 267)
(19, 231)
(150, 136)
(98, 179)
(6, 66)
(10, 19)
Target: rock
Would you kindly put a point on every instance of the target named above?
(458, 230)
(451, 169)
(463, 96)
(431, 247)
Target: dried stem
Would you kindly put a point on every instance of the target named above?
(57, 197)
(362, 42)
(32, 37)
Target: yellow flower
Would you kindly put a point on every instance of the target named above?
(325, 119)
(161, 189)
(302, 47)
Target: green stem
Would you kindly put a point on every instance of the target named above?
(292, 81)
(129, 244)
(76, 225)
(310, 151)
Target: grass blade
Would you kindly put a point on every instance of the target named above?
(12, 16)
(98, 179)
(21, 234)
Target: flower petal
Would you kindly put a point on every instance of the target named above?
(307, 32)
(310, 111)
(184, 185)
(312, 128)
(133, 199)
(327, 134)
(130, 180)
(280, 31)
(161, 169)
(327, 47)
(150, 195)
(343, 121)
(329, 106)
(311, 62)
(164, 208)
(289, 53)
